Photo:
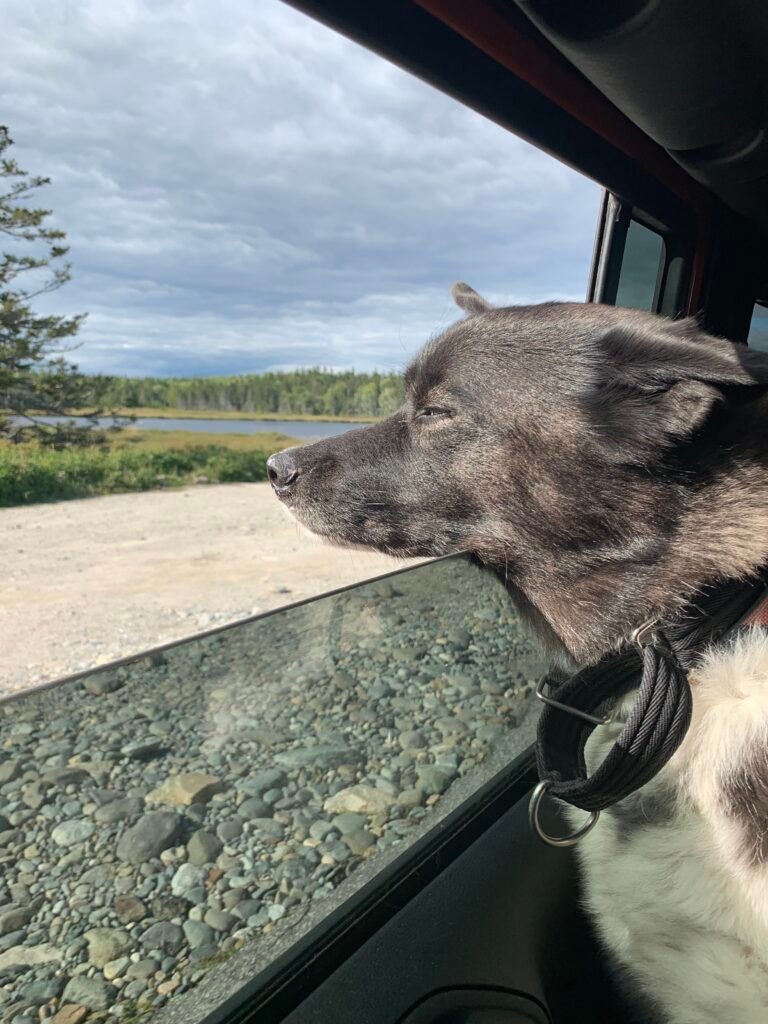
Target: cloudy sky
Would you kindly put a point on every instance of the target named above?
(244, 190)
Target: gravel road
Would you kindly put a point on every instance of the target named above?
(85, 582)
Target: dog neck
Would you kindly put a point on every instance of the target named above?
(719, 532)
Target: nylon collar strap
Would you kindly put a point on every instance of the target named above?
(657, 665)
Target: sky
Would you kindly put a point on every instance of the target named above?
(243, 189)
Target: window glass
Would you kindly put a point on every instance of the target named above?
(758, 328)
(641, 266)
(157, 816)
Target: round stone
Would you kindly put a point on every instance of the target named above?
(188, 876)
(254, 807)
(434, 780)
(197, 934)
(165, 936)
(105, 944)
(115, 968)
(229, 830)
(152, 833)
(69, 833)
(220, 920)
(359, 842)
(129, 908)
(247, 908)
(203, 847)
(412, 739)
(349, 822)
(92, 993)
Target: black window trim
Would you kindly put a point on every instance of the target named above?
(614, 219)
(405, 34)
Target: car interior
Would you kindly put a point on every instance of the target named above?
(665, 105)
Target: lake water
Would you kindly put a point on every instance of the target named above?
(302, 429)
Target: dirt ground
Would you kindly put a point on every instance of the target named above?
(85, 582)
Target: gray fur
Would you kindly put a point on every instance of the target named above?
(567, 447)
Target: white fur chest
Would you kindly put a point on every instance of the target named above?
(676, 875)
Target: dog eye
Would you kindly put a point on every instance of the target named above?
(431, 412)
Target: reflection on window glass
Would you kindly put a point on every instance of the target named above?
(758, 328)
(157, 816)
(643, 258)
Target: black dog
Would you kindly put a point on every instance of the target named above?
(608, 464)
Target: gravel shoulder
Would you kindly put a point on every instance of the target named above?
(86, 582)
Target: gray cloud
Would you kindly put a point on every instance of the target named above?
(244, 189)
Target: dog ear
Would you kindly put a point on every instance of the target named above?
(466, 298)
(660, 382)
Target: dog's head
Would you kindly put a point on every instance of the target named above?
(562, 444)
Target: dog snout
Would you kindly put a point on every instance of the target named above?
(283, 471)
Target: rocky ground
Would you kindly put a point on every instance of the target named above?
(156, 817)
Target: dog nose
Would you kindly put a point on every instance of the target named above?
(282, 470)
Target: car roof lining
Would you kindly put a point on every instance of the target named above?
(690, 74)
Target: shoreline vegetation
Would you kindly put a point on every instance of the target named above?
(135, 460)
(140, 460)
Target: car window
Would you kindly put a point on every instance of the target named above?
(158, 816)
(642, 265)
(758, 328)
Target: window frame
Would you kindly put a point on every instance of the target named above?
(763, 303)
(674, 273)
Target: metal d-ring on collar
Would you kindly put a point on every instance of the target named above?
(645, 635)
(536, 826)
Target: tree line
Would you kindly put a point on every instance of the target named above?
(306, 392)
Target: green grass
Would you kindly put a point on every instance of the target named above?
(163, 413)
(133, 460)
(165, 440)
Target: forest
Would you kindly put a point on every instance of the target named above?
(306, 392)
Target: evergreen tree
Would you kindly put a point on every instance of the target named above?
(35, 376)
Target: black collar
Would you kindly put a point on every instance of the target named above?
(656, 664)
